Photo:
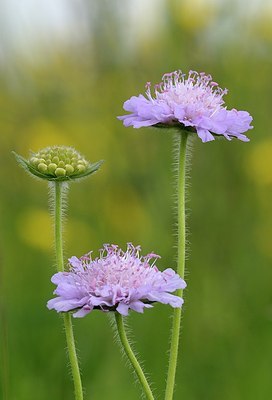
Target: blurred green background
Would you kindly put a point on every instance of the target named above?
(65, 69)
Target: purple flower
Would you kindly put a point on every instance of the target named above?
(114, 281)
(194, 103)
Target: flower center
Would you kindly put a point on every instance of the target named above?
(59, 161)
(122, 269)
(197, 93)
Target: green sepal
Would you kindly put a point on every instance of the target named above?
(176, 125)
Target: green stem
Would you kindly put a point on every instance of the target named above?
(58, 200)
(73, 356)
(183, 136)
(131, 356)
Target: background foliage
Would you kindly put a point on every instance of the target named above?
(63, 80)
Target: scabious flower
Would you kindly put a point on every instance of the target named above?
(115, 281)
(194, 103)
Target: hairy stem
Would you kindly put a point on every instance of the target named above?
(73, 356)
(58, 206)
(131, 356)
(58, 200)
(174, 346)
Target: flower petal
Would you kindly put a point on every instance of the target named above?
(204, 135)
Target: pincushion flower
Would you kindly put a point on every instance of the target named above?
(194, 103)
(115, 281)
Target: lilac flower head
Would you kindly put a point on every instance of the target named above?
(115, 281)
(194, 103)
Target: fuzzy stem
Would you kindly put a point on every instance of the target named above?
(173, 357)
(58, 199)
(58, 202)
(131, 356)
(73, 356)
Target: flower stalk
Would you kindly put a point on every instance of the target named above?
(59, 188)
(60, 165)
(58, 200)
(131, 356)
(194, 105)
(174, 346)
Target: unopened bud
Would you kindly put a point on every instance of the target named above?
(58, 163)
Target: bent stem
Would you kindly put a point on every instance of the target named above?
(131, 356)
(174, 346)
(58, 207)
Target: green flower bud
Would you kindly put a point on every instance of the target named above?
(52, 168)
(81, 168)
(34, 161)
(55, 159)
(42, 167)
(60, 172)
(69, 169)
(58, 163)
(61, 164)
